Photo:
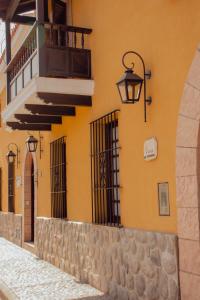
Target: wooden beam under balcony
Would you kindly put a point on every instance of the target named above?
(65, 99)
(12, 9)
(51, 110)
(34, 127)
(35, 119)
(24, 20)
(26, 7)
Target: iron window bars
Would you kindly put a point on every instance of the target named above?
(105, 170)
(11, 187)
(58, 178)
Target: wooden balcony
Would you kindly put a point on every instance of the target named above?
(58, 51)
(52, 67)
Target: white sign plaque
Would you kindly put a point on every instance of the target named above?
(18, 181)
(150, 149)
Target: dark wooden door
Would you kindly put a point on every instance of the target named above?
(59, 12)
(59, 17)
(32, 202)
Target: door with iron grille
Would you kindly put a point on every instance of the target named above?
(58, 178)
(105, 170)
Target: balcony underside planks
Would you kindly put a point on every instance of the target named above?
(24, 20)
(41, 119)
(42, 116)
(65, 99)
(24, 126)
(51, 110)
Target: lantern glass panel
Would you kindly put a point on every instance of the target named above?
(11, 159)
(133, 91)
(32, 146)
(122, 91)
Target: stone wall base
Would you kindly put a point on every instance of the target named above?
(126, 263)
(11, 227)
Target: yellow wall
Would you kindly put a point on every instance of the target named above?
(166, 34)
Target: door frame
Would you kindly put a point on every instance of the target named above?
(32, 159)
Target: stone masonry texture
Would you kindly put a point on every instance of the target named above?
(187, 183)
(127, 264)
(11, 227)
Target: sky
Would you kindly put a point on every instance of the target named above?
(2, 37)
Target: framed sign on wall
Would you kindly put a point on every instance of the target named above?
(163, 199)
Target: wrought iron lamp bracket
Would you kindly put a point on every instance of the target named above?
(146, 76)
(40, 144)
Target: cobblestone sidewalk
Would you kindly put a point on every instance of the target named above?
(28, 278)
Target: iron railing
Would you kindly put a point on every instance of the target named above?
(58, 178)
(105, 170)
(11, 187)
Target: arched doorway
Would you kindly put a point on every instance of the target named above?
(188, 183)
(29, 199)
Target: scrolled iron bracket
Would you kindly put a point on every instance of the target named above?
(146, 76)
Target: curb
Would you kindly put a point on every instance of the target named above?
(6, 293)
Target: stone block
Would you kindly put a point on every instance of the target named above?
(187, 133)
(186, 161)
(188, 223)
(189, 256)
(155, 257)
(152, 291)
(129, 281)
(163, 286)
(122, 293)
(169, 263)
(162, 242)
(187, 191)
(151, 239)
(149, 270)
(140, 285)
(190, 286)
(190, 102)
(133, 295)
(173, 290)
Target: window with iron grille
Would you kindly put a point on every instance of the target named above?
(11, 187)
(105, 170)
(58, 178)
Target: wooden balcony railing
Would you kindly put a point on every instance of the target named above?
(58, 35)
(50, 50)
(28, 47)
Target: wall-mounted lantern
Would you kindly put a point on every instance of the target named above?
(130, 85)
(11, 155)
(31, 144)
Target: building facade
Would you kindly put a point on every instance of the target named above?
(106, 196)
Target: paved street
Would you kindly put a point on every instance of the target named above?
(28, 277)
